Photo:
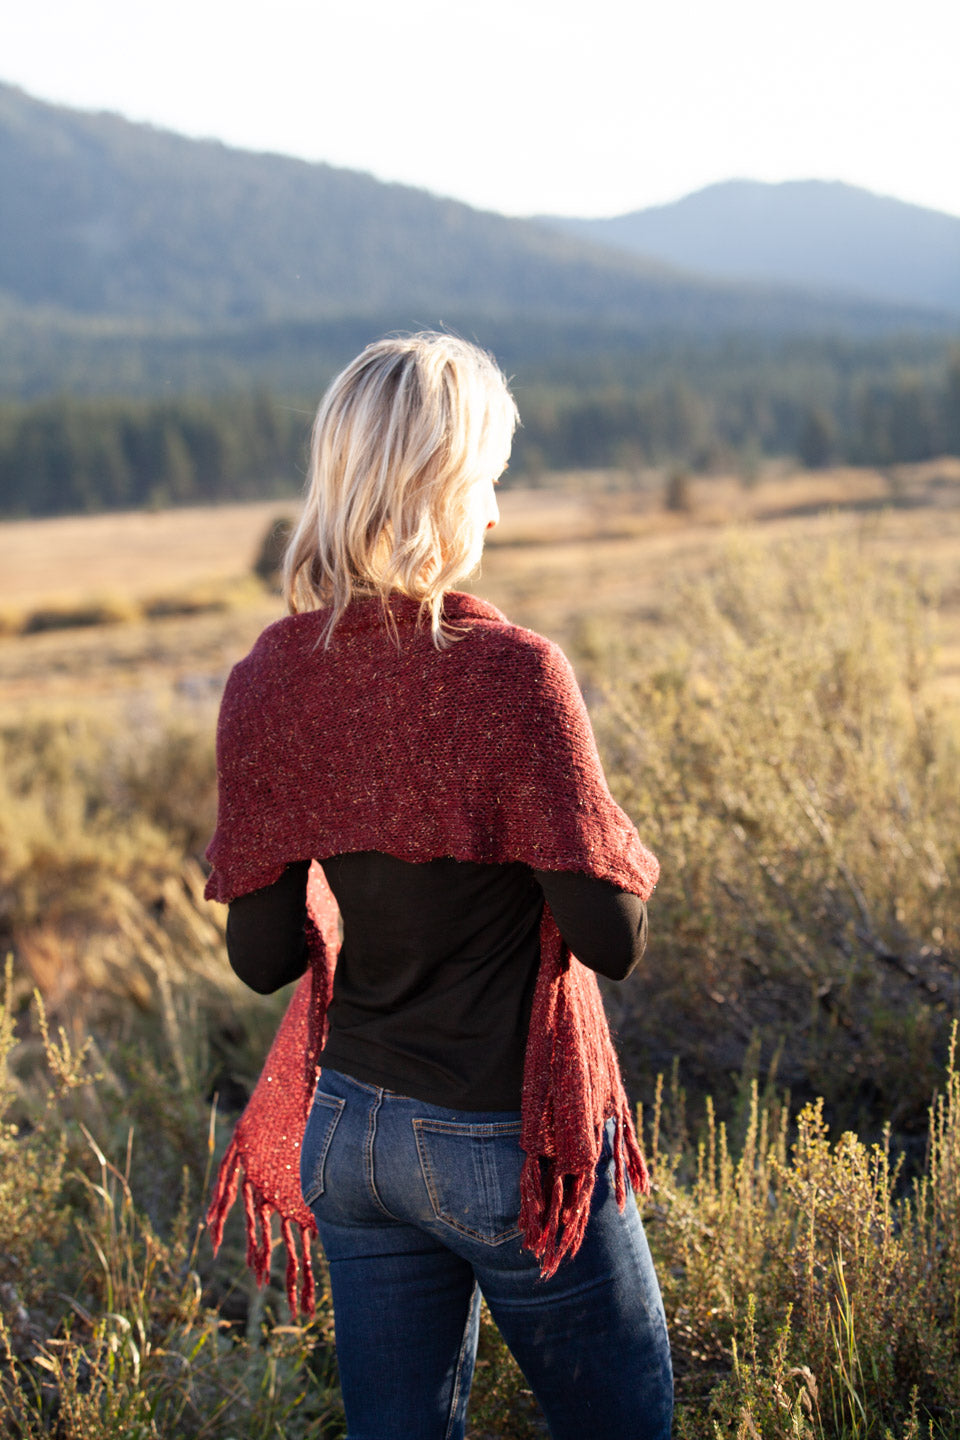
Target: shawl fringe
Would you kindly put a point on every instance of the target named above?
(554, 1227)
(258, 1215)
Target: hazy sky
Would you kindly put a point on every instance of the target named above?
(529, 106)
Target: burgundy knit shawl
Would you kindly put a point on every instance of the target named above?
(483, 752)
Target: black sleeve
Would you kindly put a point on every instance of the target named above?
(606, 928)
(266, 943)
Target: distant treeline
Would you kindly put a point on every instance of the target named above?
(64, 455)
(822, 414)
(67, 456)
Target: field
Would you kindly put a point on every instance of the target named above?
(773, 669)
(585, 548)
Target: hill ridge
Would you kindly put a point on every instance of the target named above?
(818, 233)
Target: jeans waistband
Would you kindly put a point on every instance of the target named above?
(335, 1082)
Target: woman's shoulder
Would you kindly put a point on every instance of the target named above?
(276, 654)
(517, 658)
(516, 644)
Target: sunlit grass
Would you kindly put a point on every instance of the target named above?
(775, 731)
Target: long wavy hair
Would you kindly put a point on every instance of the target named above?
(400, 437)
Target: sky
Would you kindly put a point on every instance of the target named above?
(529, 106)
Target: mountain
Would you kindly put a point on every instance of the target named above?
(813, 233)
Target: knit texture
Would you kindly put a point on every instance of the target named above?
(481, 752)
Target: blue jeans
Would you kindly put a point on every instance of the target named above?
(417, 1209)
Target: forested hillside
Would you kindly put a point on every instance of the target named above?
(113, 218)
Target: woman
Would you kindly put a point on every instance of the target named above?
(468, 1132)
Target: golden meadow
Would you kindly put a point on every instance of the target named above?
(773, 670)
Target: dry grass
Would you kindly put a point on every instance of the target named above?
(809, 1297)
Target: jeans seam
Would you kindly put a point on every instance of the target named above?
(488, 1130)
(368, 1157)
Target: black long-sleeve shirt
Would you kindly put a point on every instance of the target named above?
(434, 982)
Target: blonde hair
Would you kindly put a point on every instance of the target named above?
(400, 437)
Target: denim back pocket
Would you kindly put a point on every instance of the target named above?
(324, 1114)
(472, 1175)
